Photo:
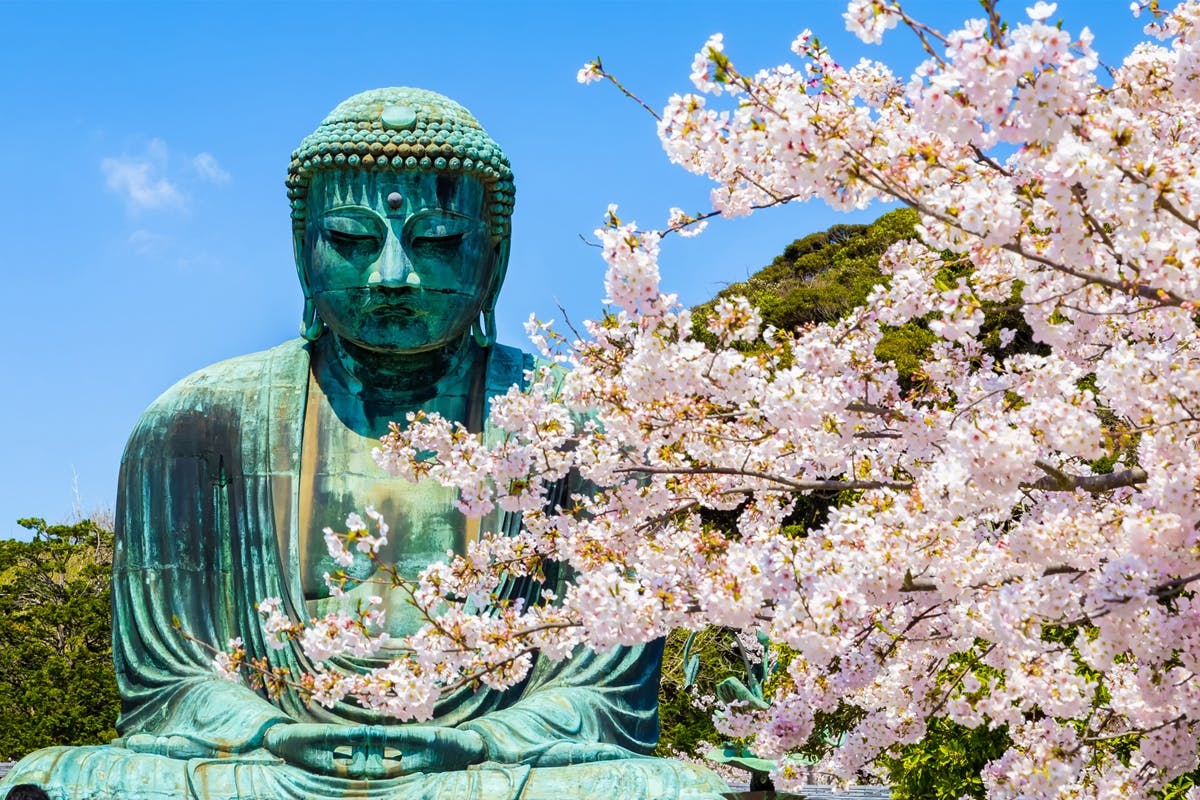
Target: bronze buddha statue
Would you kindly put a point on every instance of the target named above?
(401, 209)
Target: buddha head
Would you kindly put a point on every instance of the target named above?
(401, 208)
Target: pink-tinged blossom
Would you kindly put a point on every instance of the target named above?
(276, 625)
(365, 541)
(684, 224)
(337, 548)
(632, 279)
(707, 73)
(1041, 10)
(869, 19)
(340, 632)
(226, 665)
(588, 73)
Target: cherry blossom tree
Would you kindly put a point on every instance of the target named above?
(1011, 540)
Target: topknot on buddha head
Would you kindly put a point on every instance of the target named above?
(401, 128)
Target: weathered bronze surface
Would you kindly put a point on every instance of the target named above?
(400, 206)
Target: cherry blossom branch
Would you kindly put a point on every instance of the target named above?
(924, 34)
(596, 69)
(799, 486)
(1055, 480)
(1059, 481)
(1157, 295)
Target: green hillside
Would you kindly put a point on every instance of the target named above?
(820, 277)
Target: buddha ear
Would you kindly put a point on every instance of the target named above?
(499, 270)
(298, 252)
(484, 329)
(311, 325)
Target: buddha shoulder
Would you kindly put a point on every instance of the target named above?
(227, 394)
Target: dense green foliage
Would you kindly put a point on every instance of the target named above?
(820, 277)
(946, 763)
(824, 275)
(56, 673)
(685, 728)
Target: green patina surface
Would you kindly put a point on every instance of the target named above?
(401, 207)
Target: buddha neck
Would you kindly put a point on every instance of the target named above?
(398, 378)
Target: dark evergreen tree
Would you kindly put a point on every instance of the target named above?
(56, 673)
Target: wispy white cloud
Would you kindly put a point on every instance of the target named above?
(148, 243)
(141, 180)
(209, 169)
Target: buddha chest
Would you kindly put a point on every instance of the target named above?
(338, 476)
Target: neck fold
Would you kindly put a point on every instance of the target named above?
(398, 376)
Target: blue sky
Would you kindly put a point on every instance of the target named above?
(144, 227)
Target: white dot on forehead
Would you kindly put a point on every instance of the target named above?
(395, 200)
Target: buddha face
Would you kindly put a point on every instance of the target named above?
(398, 262)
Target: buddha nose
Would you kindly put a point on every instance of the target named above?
(394, 267)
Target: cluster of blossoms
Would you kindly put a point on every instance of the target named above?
(1011, 539)
(460, 646)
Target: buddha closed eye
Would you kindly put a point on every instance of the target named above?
(355, 233)
(436, 234)
(358, 232)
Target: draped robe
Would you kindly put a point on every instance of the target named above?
(207, 514)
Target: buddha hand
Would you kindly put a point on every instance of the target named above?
(169, 746)
(375, 751)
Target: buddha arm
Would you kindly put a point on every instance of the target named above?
(593, 706)
(181, 530)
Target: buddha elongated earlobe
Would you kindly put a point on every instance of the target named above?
(311, 326)
(483, 330)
